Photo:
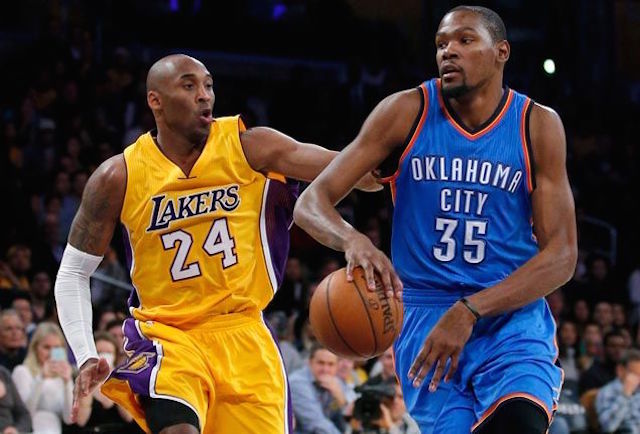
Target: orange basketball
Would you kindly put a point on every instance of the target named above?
(351, 320)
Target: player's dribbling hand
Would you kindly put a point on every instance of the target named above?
(360, 252)
(91, 374)
(444, 342)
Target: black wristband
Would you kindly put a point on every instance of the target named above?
(469, 306)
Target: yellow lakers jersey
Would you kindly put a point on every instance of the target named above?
(210, 242)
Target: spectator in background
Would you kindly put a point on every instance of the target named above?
(106, 294)
(633, 287)
(293, 295)
(581, 314)
(104, 317)
(96, 410)
(14, 415)
(618, 402)
(603, 316)
(348, 374)
(318, 396)
(14, 272)
(401, 422)
(279, 324)
(590, 346)
(603, 371)
(13, 339)
(598, 286)
(44, 380)
(329, 265)
(22, 304)
(304, 339)
(68, 203)
(383, 370)
(114, 328)
(619, 315)
(626, 334)
(556, 304)
(568, 346)
(41, 296)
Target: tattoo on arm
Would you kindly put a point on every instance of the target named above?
(93, 225)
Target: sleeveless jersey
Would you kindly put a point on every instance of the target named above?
(208, 243)
(463, 218)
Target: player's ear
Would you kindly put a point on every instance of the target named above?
(153, 100)
(504, 50)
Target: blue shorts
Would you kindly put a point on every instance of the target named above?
(508, 356)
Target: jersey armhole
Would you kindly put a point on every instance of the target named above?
(126, 186)
(390, 167)
(531, 161)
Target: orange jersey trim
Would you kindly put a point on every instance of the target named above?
(525, 148)
(523, 395)
(477, 134)
(392, 178)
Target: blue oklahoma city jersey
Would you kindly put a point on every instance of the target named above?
(463, 216)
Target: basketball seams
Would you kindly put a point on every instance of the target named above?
(373, 329)
(333, 321)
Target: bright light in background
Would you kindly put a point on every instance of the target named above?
(549, 66)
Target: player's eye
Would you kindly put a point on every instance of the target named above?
(188, 86)
(467, 40)
(441, 45)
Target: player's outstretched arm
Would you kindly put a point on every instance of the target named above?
(91, 233)
(268, 150)
(555, 227)
(554, 222)
(385, 129)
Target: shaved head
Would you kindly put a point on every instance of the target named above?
(166, 68)
(180, 95)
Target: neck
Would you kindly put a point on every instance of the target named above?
(476, 107)
(179, 148)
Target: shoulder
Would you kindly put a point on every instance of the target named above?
(611, 387)
(112, 172)
(21, 371)
(109, 180)
(405, 102)
(301, 376)
(543, 115)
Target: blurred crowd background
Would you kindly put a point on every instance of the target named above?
(73, 94)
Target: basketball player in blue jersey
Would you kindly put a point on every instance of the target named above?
(483, 229)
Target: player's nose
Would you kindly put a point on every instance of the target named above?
(204, 94)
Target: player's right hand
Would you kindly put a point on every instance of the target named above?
(91, 375)
(360, 252)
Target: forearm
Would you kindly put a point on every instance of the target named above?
(73, 300)
(306, 162)
(84, 411)
(318, 217)
(549, 269)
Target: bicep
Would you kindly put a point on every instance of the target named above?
(385, 129)
(552, 199)
(102, 199)
(269, 150)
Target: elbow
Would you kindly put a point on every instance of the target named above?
(301, 210)
(567, 260)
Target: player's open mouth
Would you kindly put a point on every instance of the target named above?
(206, 116)
(449, 70)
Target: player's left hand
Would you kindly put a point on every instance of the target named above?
(444, 342)
(370, 182)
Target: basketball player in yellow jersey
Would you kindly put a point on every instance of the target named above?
(207, 228)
